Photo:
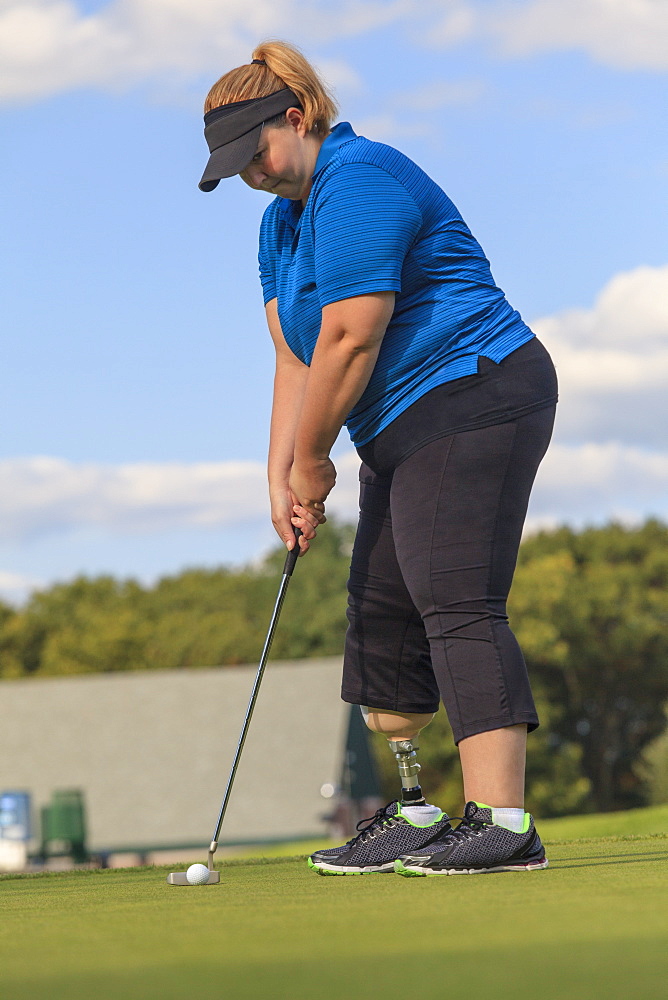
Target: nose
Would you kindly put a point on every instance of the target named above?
(254, 175)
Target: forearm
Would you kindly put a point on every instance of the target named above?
(344, 358)
(339, 373)
(290, 383)
(289, 387)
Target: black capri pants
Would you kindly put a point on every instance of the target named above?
(436, 549)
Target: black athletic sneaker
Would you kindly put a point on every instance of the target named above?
(477, 846)
(377, 846)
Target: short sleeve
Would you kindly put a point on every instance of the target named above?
(266, 258)
(365, 222)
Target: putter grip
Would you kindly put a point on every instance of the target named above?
(292, 556)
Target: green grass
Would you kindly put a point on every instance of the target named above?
(593, 925)
(632, 822)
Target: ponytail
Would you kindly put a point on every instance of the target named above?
(284, 66)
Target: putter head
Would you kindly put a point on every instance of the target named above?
(179, 878)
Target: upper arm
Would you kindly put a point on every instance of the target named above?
(265, 256)
(284, 354)
(365, 223)
(362, 319)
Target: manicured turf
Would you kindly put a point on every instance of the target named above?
(620, 824)
(631, 822)
(593, 925)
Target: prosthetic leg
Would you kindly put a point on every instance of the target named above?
(406, 756)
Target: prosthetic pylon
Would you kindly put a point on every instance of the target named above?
(406, 756)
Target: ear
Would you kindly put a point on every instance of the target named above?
(295, 117)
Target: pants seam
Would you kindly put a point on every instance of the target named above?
(431, 573)
(401, 659)
(493, 540)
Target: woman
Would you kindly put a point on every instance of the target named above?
(385, 317)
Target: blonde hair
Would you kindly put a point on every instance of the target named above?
(285, 66)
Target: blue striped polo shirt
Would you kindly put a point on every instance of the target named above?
(375, 222)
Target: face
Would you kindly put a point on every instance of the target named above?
(285, 160)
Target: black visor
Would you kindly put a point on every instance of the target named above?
(232, 133)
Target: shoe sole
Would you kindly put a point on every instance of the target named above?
(324, 869)
(409, 872)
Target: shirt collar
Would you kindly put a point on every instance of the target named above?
(341, 133)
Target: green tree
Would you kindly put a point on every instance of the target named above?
(313, 622)
(197, 618)
(590, 610)
(556, 785)
(86, 626)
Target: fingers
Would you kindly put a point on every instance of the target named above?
(308, 520)
(308, 515)
(311, 511)
(283, 527)
(308, 531)
(289, 539)
(319, 511)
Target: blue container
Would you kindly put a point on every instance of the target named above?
(15, 816)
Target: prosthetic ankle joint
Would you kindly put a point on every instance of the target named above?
(405, 753)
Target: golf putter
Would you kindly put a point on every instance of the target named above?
(179, 878)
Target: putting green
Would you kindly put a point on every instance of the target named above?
(594, 924)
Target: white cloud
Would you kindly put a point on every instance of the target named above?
(440, 94)
(48, 496)
(388, 127)
(593, 483)
(626, 34)
(15, 587)
(424, 102)
(44, 496)
(47, 46)
(585, 483)
(632, 309)
(458, 22)
(612, 360)
(77, 502)
(609, 459)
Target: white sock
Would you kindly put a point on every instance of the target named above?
(511, 819)
(421, 815)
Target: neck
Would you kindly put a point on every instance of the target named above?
(317, 141)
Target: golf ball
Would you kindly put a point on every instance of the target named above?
(197, 874)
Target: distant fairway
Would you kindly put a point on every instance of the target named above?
(595, 924)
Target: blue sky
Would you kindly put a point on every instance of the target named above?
(137, 370)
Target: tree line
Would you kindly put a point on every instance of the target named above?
(590, 609)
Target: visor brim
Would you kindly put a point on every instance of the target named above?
(230, 159)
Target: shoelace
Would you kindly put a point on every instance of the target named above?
(467, 829)
(381, 818)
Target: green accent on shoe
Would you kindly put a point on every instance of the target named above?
(400, 870)
(419, 826)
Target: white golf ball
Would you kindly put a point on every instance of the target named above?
(197, 874)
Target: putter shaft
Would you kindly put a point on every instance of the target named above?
(289, 566)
